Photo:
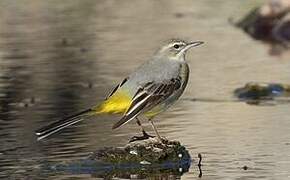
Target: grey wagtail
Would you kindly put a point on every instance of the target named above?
(148, 91)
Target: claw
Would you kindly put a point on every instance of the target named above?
(140, 138)
(136, 138)
(145, 134)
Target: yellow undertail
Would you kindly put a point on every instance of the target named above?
(117, 103)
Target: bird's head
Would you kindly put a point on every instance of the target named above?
(176, 49)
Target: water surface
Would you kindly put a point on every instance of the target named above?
(57, 58)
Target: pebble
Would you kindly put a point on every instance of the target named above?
(145, 162)
(133, 152)
(245, 168)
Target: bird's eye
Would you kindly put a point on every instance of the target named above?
(176, 46)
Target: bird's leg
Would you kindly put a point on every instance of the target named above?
(155, 129)
(145, 135)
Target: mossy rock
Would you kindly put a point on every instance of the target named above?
(146, 158)
(146, 151)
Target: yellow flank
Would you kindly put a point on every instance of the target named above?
(153, 112)
(117, 103)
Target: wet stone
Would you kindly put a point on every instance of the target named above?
(269, 23)
(262, 91)
(149, 151)
(144, 158)
(245, 168)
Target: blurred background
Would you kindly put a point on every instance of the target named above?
(60, 57)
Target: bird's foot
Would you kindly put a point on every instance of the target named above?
(140, 138)
(162, 140)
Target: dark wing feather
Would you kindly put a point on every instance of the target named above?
(61, 124)
(148, 96)
(116, 88)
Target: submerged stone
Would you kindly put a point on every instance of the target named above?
(254, 91)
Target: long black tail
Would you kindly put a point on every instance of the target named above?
(59, 125)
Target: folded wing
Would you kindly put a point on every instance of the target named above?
(148, 96)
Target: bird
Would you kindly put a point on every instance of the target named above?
(148, 91)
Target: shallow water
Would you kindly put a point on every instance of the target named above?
(57, 58)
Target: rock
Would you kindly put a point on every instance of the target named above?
(255, 92)
(269, 23)
(146, 158)
(245, 168)
(256, 26)
(281, 31)
(274, 8)
(149, 150)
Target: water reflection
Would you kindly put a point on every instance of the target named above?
(107, 171)
(57, 58)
